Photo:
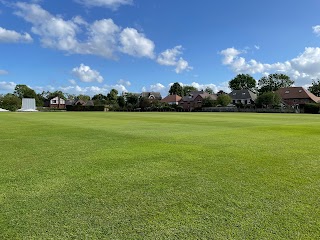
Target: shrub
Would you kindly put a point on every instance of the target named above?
(79, 108)
(312, 108)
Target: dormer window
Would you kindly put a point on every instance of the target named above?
(243, 93)
(300, 91)
(234, 94)
(287, 92)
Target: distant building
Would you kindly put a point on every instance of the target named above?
(194, 100)
(151, 95)
(171, 99)
(244, 96)
(57, 102)
(293, 96)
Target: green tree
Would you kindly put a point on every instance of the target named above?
(220, 92)
(121, 101)
(243, 81)
(112, 96)
(268, 99)
(56, 94)
(208, 102)
(132, 100)
(10, 102)
(224, 100)
(187, 89)
(273, 82)
(144, 103)
(176, 89)
(23, 91)
(83, 97)
(99, 99)
(209, 90)
(315, 88)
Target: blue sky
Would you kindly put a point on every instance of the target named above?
(91, 46)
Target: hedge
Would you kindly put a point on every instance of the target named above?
(312, 108)
(79, 108)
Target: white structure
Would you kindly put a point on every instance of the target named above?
(28, 105)
(3, 110)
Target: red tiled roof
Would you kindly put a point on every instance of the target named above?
(171, 98)
(297, 93)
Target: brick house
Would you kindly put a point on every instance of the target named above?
(194, 100)
(171, 99)
(57, 102)
(294, 96)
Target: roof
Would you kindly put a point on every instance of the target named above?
(171, 98)
(243, 94)
(157, 95)
(89, 103)
(297, 93)
(195, 94)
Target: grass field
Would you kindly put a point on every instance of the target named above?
(159, 176)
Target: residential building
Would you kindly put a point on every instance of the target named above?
(244, 96)
(57, 102)
(293, 96)
(194, 100)
(151, 95)
(171, 99)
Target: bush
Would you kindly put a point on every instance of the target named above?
(312, 108)
(79, 108)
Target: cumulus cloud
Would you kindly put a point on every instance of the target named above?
(170, 57)
(136, 44)
(7, 86)
(158, 87)
(316, 30)
(113, 4)
(76, 36)
(86, 74)
(124, 82)
(73, 82)
(10, 36)
(302, 68)
(3, 72)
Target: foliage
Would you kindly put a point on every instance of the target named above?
(315, 88)
(224, 100)
(220, 92)
(187, 89)
(176, 89)
(242, 81)
(144, 103)
(23, 91)
(99, 99)
(312, 108)
(208, 102)
(10, 102)
(268, 99)
(121, 101)
(209, 90)
(273, 82)
(83, 97)
(132, 99)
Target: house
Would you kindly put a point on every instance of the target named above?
(171, 99)
(79, 102)
(151, 95)
(244, 96)
(293, 96)
(194, 100)
(57, 102)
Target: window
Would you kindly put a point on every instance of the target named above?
(300, 91)
(243, 93)
(234, 94)
(54, 101)
(287, 92)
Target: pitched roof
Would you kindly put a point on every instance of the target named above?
(212, 96)
(195, 94)
(297, 93)
(171, 98)
(243, 94)
(157, 95)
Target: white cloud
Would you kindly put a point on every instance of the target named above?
(73, 82)
(113, 4)
(316, 30)
(7, 86)
(302, 69)
(136, 44)
(170, 57)
(76, 36)
(121, 88)
(86, 74)
(257, 47)
(10, 36)
(124, 82)
(158, 87)
(3, 72)
(91, 90)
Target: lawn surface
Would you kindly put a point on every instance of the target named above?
(159, 176)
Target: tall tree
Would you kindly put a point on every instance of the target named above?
(56, 94)
(187, 89)
(121, 101)
(23, 91)
(315, 88)
(273, 82)
(112, 96)
(242, 81)
(83, 97)
(99, 99)
(176, 89)
(268, 99)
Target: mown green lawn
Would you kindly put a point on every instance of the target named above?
(159, 176)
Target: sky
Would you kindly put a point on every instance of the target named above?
(91, 46)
